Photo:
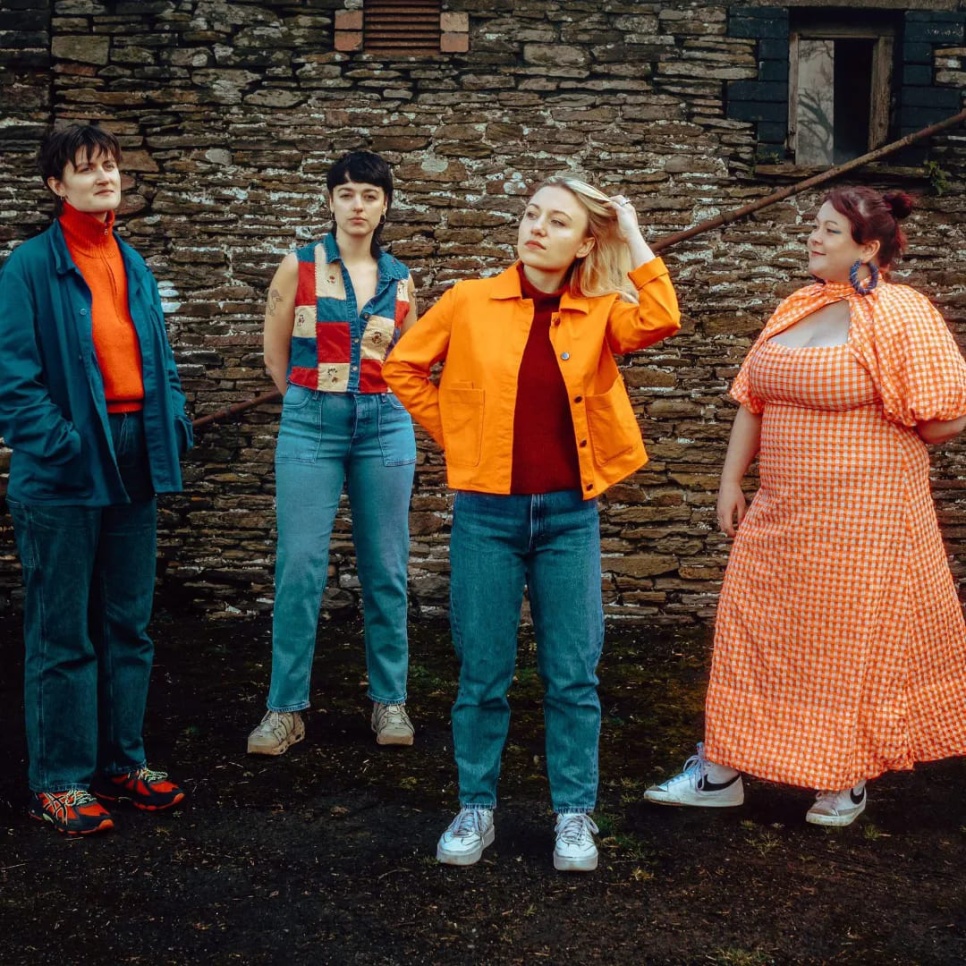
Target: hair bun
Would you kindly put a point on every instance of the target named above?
(900, 203)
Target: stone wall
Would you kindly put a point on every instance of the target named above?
(229, 114)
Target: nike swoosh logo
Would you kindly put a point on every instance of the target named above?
(708, 786)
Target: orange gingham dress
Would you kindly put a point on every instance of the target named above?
(840, 646)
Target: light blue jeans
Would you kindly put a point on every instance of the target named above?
(551, 543)
(88, 576)
(365, 442)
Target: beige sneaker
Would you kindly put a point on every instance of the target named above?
(278, 731)
(391, 724)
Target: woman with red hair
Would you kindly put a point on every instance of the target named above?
(840, 646)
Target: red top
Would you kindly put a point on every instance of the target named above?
(544, 448)
(96, 254)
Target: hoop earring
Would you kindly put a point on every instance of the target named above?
(871, 282)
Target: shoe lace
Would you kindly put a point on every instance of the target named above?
(392, 714)
(273, 723)
(696, 765)
(468, 822)
(72, 798)
(148, 775)
(575, 829)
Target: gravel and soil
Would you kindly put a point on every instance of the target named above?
(326, 855)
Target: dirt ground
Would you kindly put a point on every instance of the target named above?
(326, 855)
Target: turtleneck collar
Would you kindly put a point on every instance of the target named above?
(84, 232)
(529, 291)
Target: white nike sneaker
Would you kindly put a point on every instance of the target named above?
(693, 787)
(838, 808)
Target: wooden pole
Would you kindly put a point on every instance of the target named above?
(668, 240)
(729, 216)
(236, 408)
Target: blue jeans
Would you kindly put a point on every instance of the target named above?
(549, 542)
(366, 442)
(88, 577)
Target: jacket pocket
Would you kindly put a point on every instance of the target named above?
(39, 480)
(461, 412)
(612, 423)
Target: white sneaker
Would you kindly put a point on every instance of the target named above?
(575, 850)
(467, 836)
(693, 787)
(278, 731)
(391, 724)
(838, 808)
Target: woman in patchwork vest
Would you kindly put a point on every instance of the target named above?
(335, 309)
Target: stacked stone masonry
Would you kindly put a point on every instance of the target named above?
(230, 113)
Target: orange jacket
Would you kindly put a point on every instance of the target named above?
(480, 329)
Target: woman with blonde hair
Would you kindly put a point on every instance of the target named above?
(535, 422)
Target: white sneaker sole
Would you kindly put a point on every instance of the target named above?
(384, 739)
(657, 797)
(834, 821)
(465, 858)
(293, 739)
(587, 863)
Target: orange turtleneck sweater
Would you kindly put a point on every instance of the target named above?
(96, 254)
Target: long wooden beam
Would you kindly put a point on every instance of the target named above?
(668, 240)
(729, 216)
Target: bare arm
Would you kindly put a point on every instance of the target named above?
(413, 313)
(742, 449)
(280, 320)
(940, 430)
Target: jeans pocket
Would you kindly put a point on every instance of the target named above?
(296, 397)
(396, 437)
(300, 429)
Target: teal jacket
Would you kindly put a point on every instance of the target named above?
(53, 412)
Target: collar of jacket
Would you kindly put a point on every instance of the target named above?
(506, 285)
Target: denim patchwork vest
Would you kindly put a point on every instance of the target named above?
(338, 345)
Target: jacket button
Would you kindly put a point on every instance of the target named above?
(590, 486)
(578, 398)
(565, 356)
(583, 442)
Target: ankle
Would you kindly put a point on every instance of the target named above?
(720, 773)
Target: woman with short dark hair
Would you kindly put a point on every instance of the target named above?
(335, 309)
(91, 405)
(840, 647)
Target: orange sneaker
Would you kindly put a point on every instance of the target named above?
(74, 812)
(149, 790)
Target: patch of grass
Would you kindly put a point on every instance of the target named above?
(630, 846)
(606, 823)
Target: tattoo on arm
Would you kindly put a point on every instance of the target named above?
(274, 297)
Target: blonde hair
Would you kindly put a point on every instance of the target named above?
(603, 271)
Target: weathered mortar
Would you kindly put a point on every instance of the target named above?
(230, 114)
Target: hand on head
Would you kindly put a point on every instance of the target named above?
(627, 222)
